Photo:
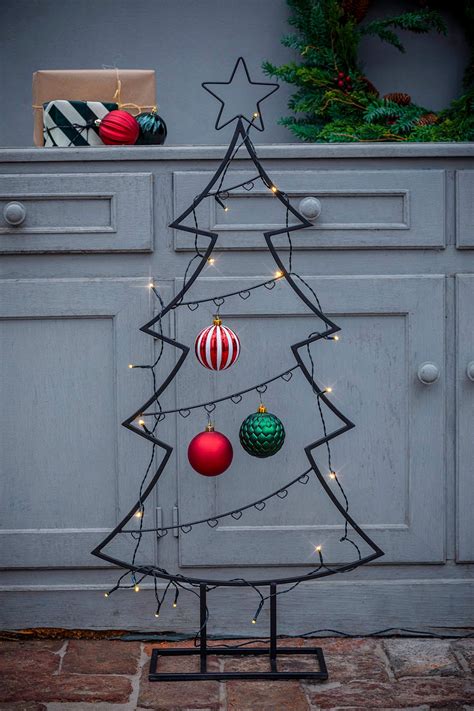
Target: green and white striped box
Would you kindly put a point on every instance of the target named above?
(72, 123)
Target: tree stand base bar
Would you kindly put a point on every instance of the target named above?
(272, 674)
(272, 651)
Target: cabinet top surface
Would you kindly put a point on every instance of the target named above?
(268, 151)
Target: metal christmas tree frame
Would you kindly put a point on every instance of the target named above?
(137, 423)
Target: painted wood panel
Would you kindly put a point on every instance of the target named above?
(360, 208)
(465, 416)
(352, 606)
(68, 468)
(91, 212)
(465, 209)
(387, 464)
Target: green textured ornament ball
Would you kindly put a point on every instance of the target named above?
(262, 434)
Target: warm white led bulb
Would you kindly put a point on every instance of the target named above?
(274, 189)
(318, 549)
(130, 365)
(211, 260)
(136, 588)
(141, 422)
(329, 390)
(254, 622)
(332, 475)
(138, 514)
(278, 274)
(336, 338)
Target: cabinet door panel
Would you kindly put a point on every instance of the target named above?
(69, 469)
(387, 464)
(465, 417)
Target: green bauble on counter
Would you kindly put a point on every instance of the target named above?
(152, 129)
(262, 434)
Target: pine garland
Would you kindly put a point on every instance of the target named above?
(335, 102)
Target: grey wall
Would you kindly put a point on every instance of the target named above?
(186, 42)
(430, 71)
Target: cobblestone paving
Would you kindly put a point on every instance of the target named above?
(100, 675)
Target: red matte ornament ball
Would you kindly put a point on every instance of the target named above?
(210, 453)
(118, 128)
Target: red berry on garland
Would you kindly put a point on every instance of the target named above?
(217, 347)
(118, 128)
(348, 79)
(340, 82)
(341, 74)
(210, 453)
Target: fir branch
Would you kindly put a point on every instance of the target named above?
(382, 109)
(422, 21)
(334, 101)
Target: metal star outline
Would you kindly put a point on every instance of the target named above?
(257, 120)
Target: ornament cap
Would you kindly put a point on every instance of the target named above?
(217, 321)
(209, 427)
(261, 408)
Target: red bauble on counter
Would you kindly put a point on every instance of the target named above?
(210, 453)
(118, 128)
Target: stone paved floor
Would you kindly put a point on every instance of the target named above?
(101, 675)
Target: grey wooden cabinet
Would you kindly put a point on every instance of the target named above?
(390, 257)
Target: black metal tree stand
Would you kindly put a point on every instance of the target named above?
(272, 651)
(144, 422)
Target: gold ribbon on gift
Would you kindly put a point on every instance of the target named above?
(117, 98)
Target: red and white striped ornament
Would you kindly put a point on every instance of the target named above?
(217, 347)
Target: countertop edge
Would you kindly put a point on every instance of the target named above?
(265, 151)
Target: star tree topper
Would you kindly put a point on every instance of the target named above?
(240, 85)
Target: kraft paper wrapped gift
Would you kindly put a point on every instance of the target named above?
(132, 89)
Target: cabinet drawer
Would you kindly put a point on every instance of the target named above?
(81, 212)
(360, 209)
(465, 209)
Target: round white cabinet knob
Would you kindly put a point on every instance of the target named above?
(470, 370)
(428, 373)
(310, 207)
(14, 213)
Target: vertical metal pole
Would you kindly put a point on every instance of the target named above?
(203, 628)
(273, 626)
